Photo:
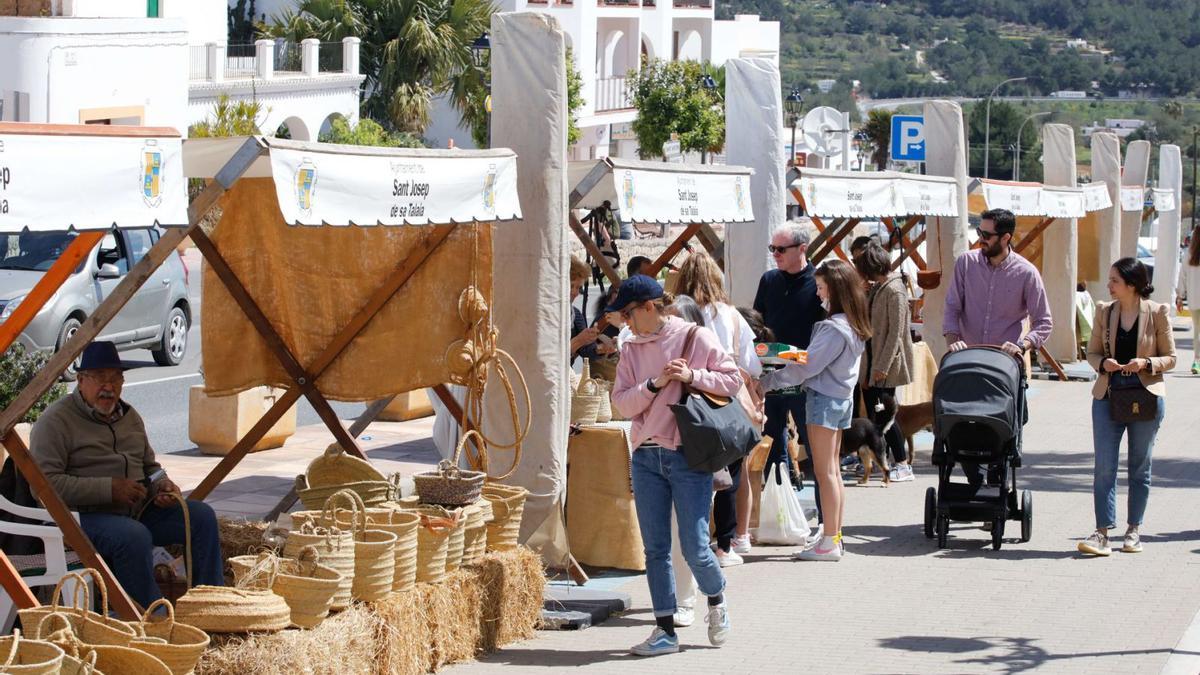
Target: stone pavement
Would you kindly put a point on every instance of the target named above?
(896, 604)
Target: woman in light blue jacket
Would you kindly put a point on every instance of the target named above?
(829, 375)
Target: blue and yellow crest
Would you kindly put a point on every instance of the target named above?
(489, 188)
(627, 193)
(306, 184)
(739, 194)
(152, 165)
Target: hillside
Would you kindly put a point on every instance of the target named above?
(963, 47)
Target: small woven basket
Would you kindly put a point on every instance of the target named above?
(177, 645)
(604, 412)
(219, 609)
(433, 539)
(586, 399)
(457, 542)
(508, 504)
(90, 627)
(474, 533)
(21, 656)
(305, 585)
(113, 659)
(374, 552)
(450, 485)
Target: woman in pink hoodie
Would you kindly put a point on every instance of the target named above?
(649, 377)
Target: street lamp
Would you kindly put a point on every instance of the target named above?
(1017, 155)
(710, 85)
(987, 129)
(794, 105)
(481, 50)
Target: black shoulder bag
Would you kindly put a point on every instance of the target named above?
(713, 431)
(1128, 399)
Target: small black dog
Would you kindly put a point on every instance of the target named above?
(865, 437)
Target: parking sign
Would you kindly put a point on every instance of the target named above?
(908, 138)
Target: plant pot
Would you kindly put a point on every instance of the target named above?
(407, 406)
(217, 423)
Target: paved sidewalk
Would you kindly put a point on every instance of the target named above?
(896, 604)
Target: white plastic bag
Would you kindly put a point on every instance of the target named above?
(781, 519)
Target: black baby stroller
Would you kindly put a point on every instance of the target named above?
(979, 409)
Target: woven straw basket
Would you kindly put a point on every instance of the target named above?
(90, 627)
(457, 542)
(177, 645)
(56, 629)
(306, 586)
(433, 539)
(508, 504)
(449, 485)
(388, 518)
(374, 551)
(334, 547)
(28, 657)
(79, 666)
(334, 471)
(474, 534)
(112, 659)
(604, 412)
(218, 609)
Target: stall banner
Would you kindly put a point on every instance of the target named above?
(845, 197)
(1095, 196)
(678, 197)
(1164, 199)
(1133, 197)
(928, 198)
(90, 182)
(317, 187)
(1062, 202)
(1022, 200)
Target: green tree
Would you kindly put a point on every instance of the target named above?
(411, 49)
(17, 368)
(575, 98)
(230, 119)
(368, 132)
(671, 99)
(878, 133)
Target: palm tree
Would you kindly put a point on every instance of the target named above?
(878, 133)
(412, 50)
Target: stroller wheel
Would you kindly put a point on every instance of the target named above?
(943, 530)
(997, 533)
(1026, 515)
(930, 511)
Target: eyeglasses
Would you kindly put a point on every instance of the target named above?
(114, 379)
(985, 235)
(780, 249)
(628, 311)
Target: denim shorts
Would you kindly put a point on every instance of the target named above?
(827, 411)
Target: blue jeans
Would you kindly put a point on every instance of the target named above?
(1106, 437)
(127, 545)
(776, 407)
(662, 480)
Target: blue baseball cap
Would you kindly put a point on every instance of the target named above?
(637, 288)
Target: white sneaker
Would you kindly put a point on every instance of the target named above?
(1095, 544)
(815, 536)
(741, 545)
(684, 616)
(901, 473)
(828, 549)
(729, 559)
(718, 624)
(1133, 541)
(657, 644)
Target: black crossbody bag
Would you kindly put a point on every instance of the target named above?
(1128, 399)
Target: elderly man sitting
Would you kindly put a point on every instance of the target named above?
(92, 446)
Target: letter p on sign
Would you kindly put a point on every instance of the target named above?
(908, 138)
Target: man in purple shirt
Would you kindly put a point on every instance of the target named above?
(994, 291)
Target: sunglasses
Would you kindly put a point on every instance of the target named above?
(985, 235)
(628, 311)
(780, 249)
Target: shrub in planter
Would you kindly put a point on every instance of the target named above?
(17, 367)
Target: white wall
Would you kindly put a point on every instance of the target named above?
(206, 20)
(745, 37)
(283, 99)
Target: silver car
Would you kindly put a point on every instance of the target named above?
(156, 318)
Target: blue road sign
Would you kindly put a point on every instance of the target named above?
(908, 138)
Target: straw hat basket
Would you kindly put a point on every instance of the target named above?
(508, 503)
(604, 412)
(374, 551)
(334, 546)
(119, 660)
(306, 586)
(475, 532)
(90, 627)
(449, 485)
(220, 609)
(28, 657)
(433, 540)
(335, 470)
(585, 403)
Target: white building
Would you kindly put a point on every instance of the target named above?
(611, 37)
(162, 63)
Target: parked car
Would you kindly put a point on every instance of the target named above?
(157, 317)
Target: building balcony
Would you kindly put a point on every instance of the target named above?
(693, 4)
(612, 93)
(265, 59)
(618, 3)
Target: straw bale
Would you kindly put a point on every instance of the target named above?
(341, 645)
(512, 583)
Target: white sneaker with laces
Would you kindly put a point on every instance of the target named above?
(741, 545)
(901, 473)
(1095, 544)
(815, 536)
(684, 616)
(827, 550)
(1133, 541)
(729, 559)
(718, 624)
(657, 644)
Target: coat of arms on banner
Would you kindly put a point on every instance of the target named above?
(306, 183)
(627, 193)
(489, 188)
(152, 161)
(739, 195)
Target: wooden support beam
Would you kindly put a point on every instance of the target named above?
(713, 244)
(48, 285)
(14, 585)
(834, 241)
(911, 252)
(1033, 234)
(593, 250)
(674, 249)
(1054, 365)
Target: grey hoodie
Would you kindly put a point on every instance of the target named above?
(833, 358)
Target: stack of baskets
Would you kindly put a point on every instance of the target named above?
(334, 471)
(305, 585)
(508, 504)
(335, 550)
(433, 539)
(388, 518)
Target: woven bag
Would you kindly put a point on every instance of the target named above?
(449, 485)
(508, 504)
(474, 534)
(89, 627)
(457, 541)
(56, 629)
(334, 546)
(433, 538)
(220, 609)
(177, 645)
(305, 585)
(21, 656)
(604, 412)
(374, 551)
(389, 518)
(72, 665)
(113, 659)
(335, 470)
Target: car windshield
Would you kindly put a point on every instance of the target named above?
(1144, 252)
(33, 251)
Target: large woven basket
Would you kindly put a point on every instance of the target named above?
(371, 492)
(305, 585)
(89, 627)
(177, 645)
(508, 504)
(77, 659)
(389, 518)
(21, 656)
(449, 485)
(374, 551)
(334, 546)
(334, 471)
(433, 538)
(457, 542)
(474, 533)
(219, 609)
(113, 659)
(79, 666)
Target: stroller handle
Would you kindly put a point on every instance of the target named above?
(994, 348)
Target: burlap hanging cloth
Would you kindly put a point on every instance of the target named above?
(310, 282)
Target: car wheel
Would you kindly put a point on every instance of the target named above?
(69, 328)
(173, 344)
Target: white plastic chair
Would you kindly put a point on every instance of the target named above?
(54, 561)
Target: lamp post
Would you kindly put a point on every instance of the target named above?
(793, 104)
(710, 85)
(481, 50)
(987, 128)
(1195, 135)
(1017, 155)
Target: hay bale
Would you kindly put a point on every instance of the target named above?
(344, 643)
(430, 625)
(512, 584)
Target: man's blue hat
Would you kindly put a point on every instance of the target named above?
(637, 288)
(99, 355)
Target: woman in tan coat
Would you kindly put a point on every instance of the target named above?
(1131, 346)
(887, 363)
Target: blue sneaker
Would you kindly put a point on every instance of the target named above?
(657, 644)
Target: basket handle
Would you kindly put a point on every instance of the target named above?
(357, 509)
(66, 625)
(307, 552)
(333, 450)
(150, 612)
(458, 449)
(12, 650)
(56, 597)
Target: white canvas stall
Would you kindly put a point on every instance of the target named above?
(1060, 248)
(875, 194)
(1038, 200)
(658, 192)
(1168, 194)
(57, 182)
(1105, 232)
(946, 155)
(1137, 166)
